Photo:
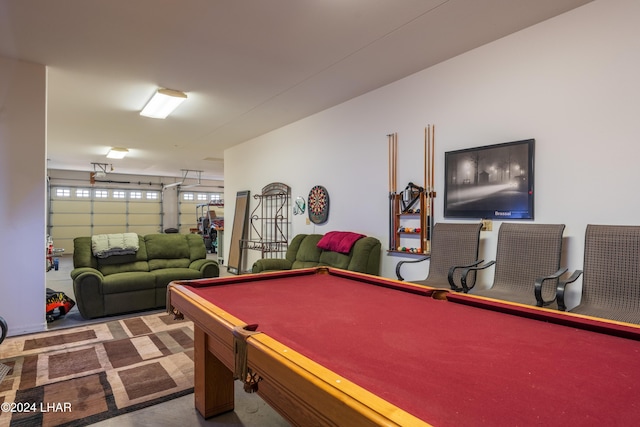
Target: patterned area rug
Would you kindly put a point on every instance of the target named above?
(82, 375)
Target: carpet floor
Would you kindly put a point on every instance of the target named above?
(86, 374)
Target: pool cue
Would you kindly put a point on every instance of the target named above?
(391, 192)
(394, 228)
(432, 194)
(395, 191)
(423, 225)
(433, 147)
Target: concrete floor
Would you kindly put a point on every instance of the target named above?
(250, 409)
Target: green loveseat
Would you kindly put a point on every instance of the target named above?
(135, 282)
(303, 252)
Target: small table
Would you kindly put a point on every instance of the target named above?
(343, 348)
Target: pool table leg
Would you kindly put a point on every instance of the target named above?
(213, 381)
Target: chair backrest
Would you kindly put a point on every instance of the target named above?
(611, 270)
(452, 244)
(526, 252)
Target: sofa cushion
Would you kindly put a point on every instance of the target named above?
(157, 264)
(117, 259)
(294, 246)
(309, 250)
(166, 275)
(197, 248)
(308, 254)
(128, 282)
(110, 269)
(167, 246)
(334, 259)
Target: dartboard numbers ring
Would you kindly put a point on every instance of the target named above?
(318, 204)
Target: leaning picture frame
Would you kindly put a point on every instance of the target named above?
(491, 182)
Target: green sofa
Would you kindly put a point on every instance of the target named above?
(303, 252)
(135, 282)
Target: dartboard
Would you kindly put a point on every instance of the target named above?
(318, 204)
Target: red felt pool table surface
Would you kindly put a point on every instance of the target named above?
(457, 361)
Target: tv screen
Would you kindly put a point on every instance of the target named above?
(490, 182)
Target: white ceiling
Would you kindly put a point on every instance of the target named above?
(248, 66)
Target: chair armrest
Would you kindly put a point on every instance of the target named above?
(268, 264)
(452, 271)
(413, 261)
(465, 273)
(561, 289)
(540, 302)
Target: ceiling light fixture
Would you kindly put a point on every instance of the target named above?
(117, 153)
(163, 102)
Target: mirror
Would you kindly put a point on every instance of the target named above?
(238, 232)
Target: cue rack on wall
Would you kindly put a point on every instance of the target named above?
(411, 210)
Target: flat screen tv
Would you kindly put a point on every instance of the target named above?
(490, 182)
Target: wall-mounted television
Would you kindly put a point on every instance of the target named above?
(490, 182)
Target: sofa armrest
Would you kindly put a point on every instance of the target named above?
(80, 270)
(87, 289)
(366, 256)
(267, 264)
(206, 267)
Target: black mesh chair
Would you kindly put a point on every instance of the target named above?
(610, 275)
(453, 247)
(527, 257)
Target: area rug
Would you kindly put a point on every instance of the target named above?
(82, 375)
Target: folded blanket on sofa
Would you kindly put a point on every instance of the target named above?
(339, 241)
(106, 245)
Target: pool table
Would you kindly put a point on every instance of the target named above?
(330, 347)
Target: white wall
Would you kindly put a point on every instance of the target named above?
(570, 82)
(22, 195)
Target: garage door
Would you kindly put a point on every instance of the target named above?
(81, 211)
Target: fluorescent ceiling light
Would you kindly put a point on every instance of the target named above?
(117, 153)
(163, 102)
